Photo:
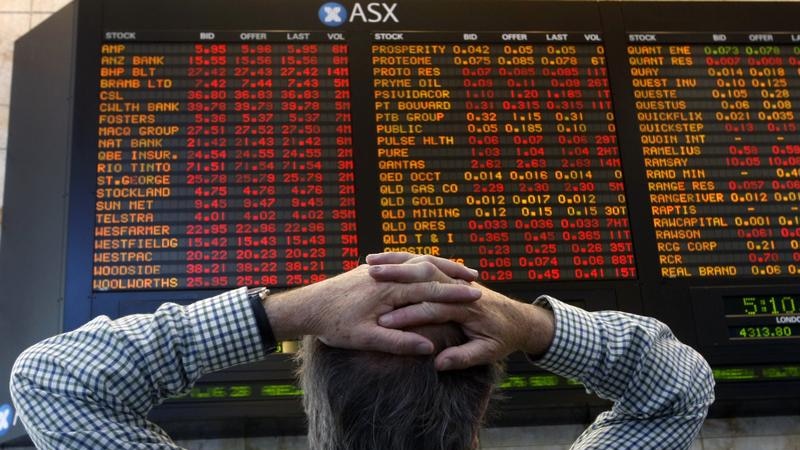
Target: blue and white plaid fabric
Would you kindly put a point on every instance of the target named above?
(92, 388)
(661, 388)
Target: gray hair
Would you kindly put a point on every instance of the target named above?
(357, 400)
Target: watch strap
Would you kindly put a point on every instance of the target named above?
(256, 296)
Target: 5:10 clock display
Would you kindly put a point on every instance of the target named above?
(761, 305)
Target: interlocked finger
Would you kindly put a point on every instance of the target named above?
(450, 268)
(423, 314)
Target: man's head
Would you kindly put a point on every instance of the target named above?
(358, 400)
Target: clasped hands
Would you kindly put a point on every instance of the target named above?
(368, 307)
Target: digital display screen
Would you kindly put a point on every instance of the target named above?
(229, 158)
(224, 163)
(761, 305)
(230, 163)
(503, 154)
(512, 382)
(718, 125)
(765, 332)
(756, 317)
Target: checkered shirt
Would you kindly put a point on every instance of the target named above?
(93, 387)
(661, 388)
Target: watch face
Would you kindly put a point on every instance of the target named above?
(261, 292)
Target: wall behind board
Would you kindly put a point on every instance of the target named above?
(16, 18)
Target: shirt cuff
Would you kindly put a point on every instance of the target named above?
(577, 341)
(225, 331)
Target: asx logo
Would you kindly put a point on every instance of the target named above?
(6, 418)
(335, 14)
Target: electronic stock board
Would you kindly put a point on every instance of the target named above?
(635, 156)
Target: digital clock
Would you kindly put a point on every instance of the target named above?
(761, 305)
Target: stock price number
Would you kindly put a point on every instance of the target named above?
(765, 332)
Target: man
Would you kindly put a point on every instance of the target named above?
(361, 400)
(92, 388)
(661, 388)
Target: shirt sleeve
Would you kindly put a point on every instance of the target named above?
(93, 387)
(661, 388)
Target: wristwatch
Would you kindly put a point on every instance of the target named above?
(256, 296)
(260, 292)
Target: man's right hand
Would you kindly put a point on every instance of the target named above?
(495, 324)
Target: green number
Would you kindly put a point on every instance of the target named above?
(765, 332)
(750, 302)
(783, 331)
(787, 305)
(241, 391)
(774, 305)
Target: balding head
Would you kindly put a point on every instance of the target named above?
(357, 400)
